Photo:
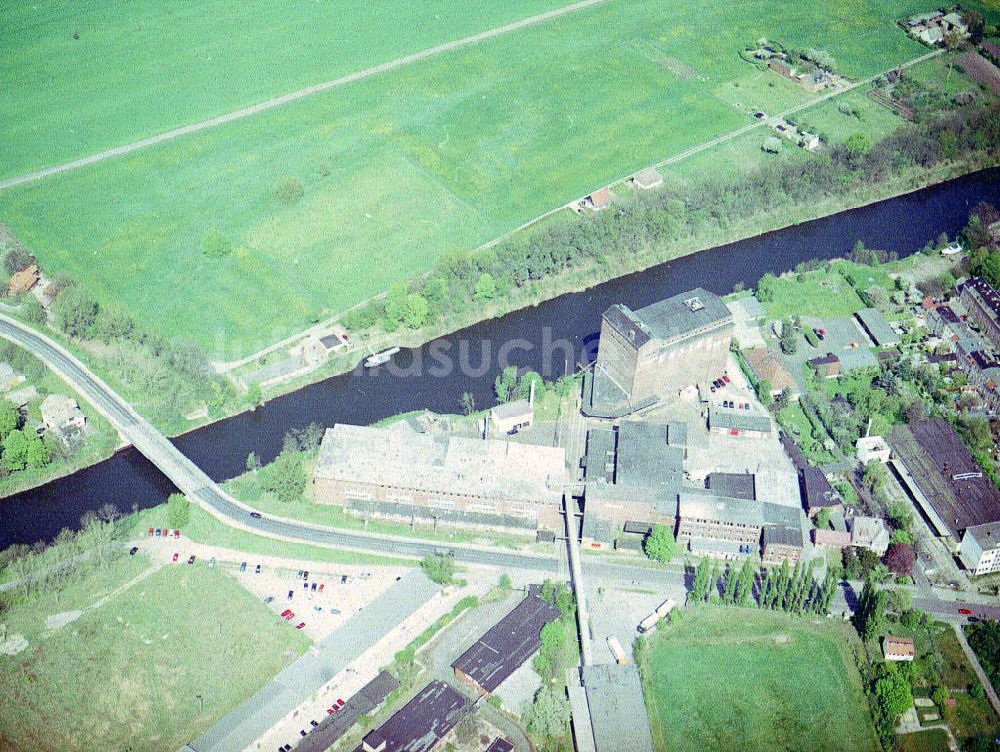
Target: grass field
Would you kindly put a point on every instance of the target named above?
(820, 294)
(141, 67)
(127, 674)
(934, 740)
(751, 680)
(402, 167)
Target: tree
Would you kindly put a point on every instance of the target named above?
(869, 617)
(744, 584)
(416, 311)
(436, 291)
(215, 244)
(504, 583)
(37, 454)
(893, 692)
(789, 339)
(10, 418)
(823, 519)
(253, 463)
(505, 384)
(858, 145)
(178, 511)
(16, 450)
(16, 259)
(900, 558)
(766, 288)
(255, 395)
(75, 312)
(701, 583)
(288, 190)
(553, 637)
(468, 403)
(875, 476)
(486, 287)
(285, 477)
(659, 545)
(33, 312)
(439, 569)
(548, 715)
(729, 584)
(771, 145)
(900, 515)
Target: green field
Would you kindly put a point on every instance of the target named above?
(819, 294)
(400, 168)
(127, 674)
(752, 680)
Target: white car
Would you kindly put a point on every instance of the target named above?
(952, 249)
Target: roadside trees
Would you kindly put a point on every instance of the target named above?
(659, 545)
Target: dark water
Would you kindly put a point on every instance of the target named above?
(525, 337)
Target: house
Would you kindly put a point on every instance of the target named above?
(983, 305)
(647, 179)
(826, 366)
(809, 141)
(767, 366)
(645, 355)
(870, 533)
(510, 417)
(781, 68)
(317, 349)
(831, 538)
(62, 416)
(814, 81)
(979, 550)
(382, 472)
(897, 648)
(954, 22)
(932, 35)
(871, 448)
(22, 281)
(737, 422)
(9, 378)
(817, 493)
(421, 723)
(599, 199)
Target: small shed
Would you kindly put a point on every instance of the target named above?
(826, 366)
(647, 179)
(23, 280)
(598, 200)
(873, 448)
(512, 416)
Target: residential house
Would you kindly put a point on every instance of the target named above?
(983, 305)
(598, 200)
(826, 366)
(61, 416)
(897, 648)
(870, 533)
(767, 367)
(647, 179)
(831, 538)
(22, 281)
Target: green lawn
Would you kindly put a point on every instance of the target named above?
(934, 740)
(403, 167)
(126, 675)
(793, 418)
(726, 679)
(142, 67)
(820, 294)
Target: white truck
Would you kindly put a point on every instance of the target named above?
(653, 619)
(621, 658)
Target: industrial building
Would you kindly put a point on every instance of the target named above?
(632, 476)
(508, 644)
(380, 472)
(979, 550)
(647, 355)
(608, 710)
(954, 493)
(419, 724)
(982, 303)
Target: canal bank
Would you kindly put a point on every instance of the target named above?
(553, 337)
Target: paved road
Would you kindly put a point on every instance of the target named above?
(204, 491)
(294, 96)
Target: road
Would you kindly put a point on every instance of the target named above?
(294, 96)
(203, 491)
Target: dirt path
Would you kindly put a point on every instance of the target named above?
(297, 95)
(101, 601)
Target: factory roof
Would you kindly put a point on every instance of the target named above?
(816, 490)
(734, 420)
(614, 694)
(509, 643)
(422, 722)
(446, 464)
(735, 485)
(781, 535)
(672, 319)
(875, 325)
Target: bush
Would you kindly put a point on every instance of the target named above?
(215, 244)
(17, 259)
(439, 569)
(178, 511)
(288, 190)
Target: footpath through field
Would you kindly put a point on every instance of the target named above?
(297, 95)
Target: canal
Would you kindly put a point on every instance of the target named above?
(554, 337)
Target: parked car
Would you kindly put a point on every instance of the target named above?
(257, 570)
(343, 579)
(726, 379)
(305, 575)
(298, 575)
(269, 599)
(340, 703)
(317, 609)
(158, 532)
(132, 551)
(321, 587)
(211, 562)
(286, 612)
(191, 559)
(313, 587)
(300, 625)
(243, 566)
(290, 594)
(964, 611)
(314, 724)
(177, 533)
(302, 732)
(177, 555)
(150, 532)
(255, 515)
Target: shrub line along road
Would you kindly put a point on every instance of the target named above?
(201, 489)
(297, 95)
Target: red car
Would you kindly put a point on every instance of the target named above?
(726, 379)
(329, 711)
(177, 533)
(321, 587)
(176, 555)
(150, 532)
(301, 625)
(340, 703)
(964, 612)
(287, 614)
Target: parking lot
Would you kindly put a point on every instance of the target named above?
(340, 589)
(617, 613)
